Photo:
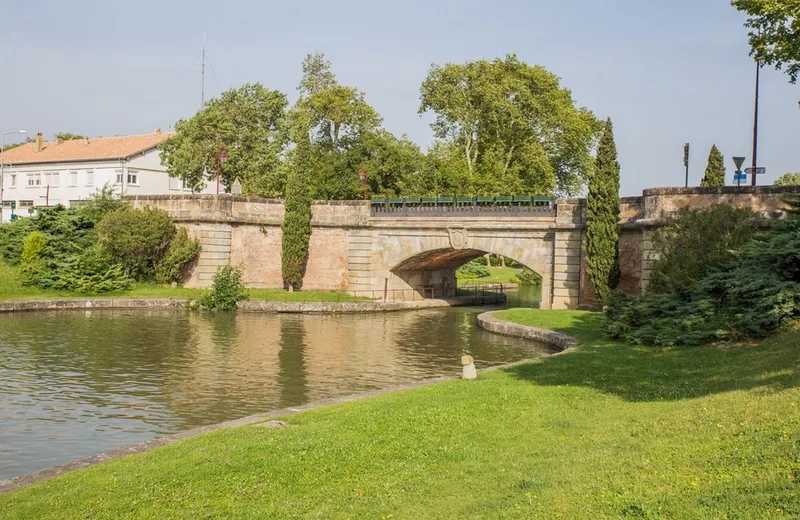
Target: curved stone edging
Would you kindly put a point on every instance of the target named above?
(245, 306)
(489, 322)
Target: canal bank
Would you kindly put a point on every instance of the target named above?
(80, 382)
(252, 305)
(632, 431)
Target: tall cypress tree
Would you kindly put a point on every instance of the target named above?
(715, 171)
(602, 218)
(296, 228)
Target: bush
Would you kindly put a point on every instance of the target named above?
(473, 269)
(180, 255)
(752, 295)
(226, 291)
(137, 239)
(529, 277)
(711, 235)
(87, 277)
(31, 264)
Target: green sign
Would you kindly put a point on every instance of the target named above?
(13, 205)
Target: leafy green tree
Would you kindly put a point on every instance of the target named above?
(515, 129)
(715, 170)
(249, 123)
(774, 32)
(788, 179)
(346, 136)
(602, 218)
(296, 228)
(68, 136)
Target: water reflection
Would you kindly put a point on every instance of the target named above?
(74, 383)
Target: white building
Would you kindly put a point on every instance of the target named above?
(45, 173)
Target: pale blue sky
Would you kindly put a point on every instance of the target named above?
(666, 72)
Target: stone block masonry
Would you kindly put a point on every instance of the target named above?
(354, 251)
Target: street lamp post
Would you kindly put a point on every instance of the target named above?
(2, 166)
(362, 174)
(222, 158)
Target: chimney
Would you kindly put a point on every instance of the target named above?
(38, 141)
(158, 130)
(59, 140)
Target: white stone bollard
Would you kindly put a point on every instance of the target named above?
(468, 368)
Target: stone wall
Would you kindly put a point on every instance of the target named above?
(351, 250)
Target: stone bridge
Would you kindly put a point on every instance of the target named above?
(356, 248)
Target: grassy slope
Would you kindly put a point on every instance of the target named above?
(498, 275)
(607, 431)
(12, 289)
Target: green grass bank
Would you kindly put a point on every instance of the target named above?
(12, 289)
(606, 431)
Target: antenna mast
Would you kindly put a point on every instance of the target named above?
(203, 75)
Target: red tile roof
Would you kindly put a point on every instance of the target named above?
(99, 148)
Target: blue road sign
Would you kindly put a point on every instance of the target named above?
(740, 177)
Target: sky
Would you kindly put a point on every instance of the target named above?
(666, 72)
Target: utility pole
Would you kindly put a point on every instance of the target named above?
(203, 75)
(755, 125)
(686, 163)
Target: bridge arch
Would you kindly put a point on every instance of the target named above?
(417, 260)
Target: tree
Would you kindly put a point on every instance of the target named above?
(515, 128)
(68, 136)
(602, 218)
(249, 123)
(296, 228)
(715, 170)
(774, 32)
(788, 179)
(346, 135)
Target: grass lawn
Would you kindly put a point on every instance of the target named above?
(606, 431)
(12, 289)
(498, 275)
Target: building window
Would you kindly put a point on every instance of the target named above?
(133, 177)
(26, 204)
(90, 177)
(6, 204)
(73, 179)
(174, 183)
(34, 180)
(118, 178)
(51, 179)
(13, 180)
(76, 203)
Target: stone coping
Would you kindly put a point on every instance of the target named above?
(247, 305)
(489, 322)
(721, 190)
(240, 198)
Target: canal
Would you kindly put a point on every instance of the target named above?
(76, 383)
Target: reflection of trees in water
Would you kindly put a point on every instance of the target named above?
(292, 383)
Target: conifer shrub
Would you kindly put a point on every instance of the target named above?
(529, 277)
(296, 227)
(32, 263)
(602, 218)
(715, 170)
(751, 295)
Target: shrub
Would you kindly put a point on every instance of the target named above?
(602, 218)
(12, 239)
(711, 235)
(296, 228)
(137, 239)
(31, 264)
(529, 277)
(226, 291)
(751, 295)
(103, 202)
(180, 255)
(473, 269)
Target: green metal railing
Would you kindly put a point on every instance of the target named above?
(508, 206)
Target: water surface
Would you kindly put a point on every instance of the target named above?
(75, 383)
